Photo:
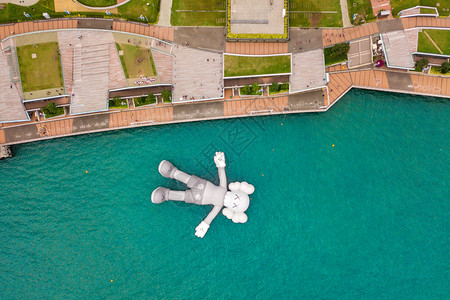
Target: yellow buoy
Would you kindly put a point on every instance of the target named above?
(86, 171)
(262, 174)
(332, 145)
(111, 280)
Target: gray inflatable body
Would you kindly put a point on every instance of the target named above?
(203, 192)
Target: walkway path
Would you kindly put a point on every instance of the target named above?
(165, 11)
(345, 18)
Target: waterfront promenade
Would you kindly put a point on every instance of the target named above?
(319, 99)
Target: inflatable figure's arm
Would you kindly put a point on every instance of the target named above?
(203, 227)
(219, 159)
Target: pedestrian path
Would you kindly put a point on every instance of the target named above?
(256, 48)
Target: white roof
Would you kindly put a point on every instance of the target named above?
(397, 50)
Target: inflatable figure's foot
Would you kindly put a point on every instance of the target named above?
(160, 195)
(167, 169)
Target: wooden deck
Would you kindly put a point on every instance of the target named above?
(162, 33)
(256, 48)
(428, 85)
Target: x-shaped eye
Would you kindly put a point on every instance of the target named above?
(235, 205)
(236, 197)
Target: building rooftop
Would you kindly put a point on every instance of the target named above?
(397, 50)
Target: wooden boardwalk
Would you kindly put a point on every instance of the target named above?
(162, 33)
(341, 82)
(334, 36)
(256, 48)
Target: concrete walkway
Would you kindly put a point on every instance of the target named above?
(165, 11)
(345, 18)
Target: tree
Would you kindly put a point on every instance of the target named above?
(50, 110)
(445, 67)
(421, 64)
(275, 87)
(255, 89)
(150, 99)
(340, 49)
(167, 96)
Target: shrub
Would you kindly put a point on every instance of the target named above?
(254, 89)
(50, 110)
(445, 67)
(150, 99)
(421, 64)
(275, 87)
(340, 49)
(167, 96)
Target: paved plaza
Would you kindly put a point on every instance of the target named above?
(360, 53)
(257, 16)
(308, 70)
(197, 74)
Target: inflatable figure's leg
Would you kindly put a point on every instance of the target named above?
(162, 194)
(168, 170)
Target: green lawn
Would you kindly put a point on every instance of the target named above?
(133, 9)
(14, 13)
(136, 61)
(301, 13)
(130, 11)
(440, 37)
(98, 3)
(399, 5)
(427, 11)
(118, 105)
(42, 72)
(201, 13)
(437, 71)
(329, 60)
(363, 9)
(254, 65)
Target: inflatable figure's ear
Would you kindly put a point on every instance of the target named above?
(228, 213)
(247, 188)
(239, 218)
(235, 186)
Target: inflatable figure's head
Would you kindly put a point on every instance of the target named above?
(237, 201)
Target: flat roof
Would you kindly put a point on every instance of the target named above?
(397, 50)
(308, 70)
(11, 107)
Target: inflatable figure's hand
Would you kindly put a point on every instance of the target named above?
(201, 229)
(219, 159)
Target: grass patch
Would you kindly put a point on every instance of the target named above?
(117, 103)
(253, 89)
(213, 13)
(300, 13)
(276, 88)
(440, 37)
(198, 19)
(437, 71)
(14, 13)
(427, 11)
(363, 10)
(98, 3)
(399, 5)
(166, 95)
(334, 55)
(254, 65)
(50, 110)
(136, 61)
(31, 69)
(135, 8)
(150, 99)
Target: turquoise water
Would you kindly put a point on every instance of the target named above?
(367, 218)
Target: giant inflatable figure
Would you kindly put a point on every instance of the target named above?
(203, 192)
